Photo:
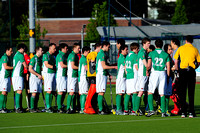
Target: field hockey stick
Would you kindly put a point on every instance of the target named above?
(107, 108)
(14, 100)
(44, 99)
(113, 110)
(27, 100)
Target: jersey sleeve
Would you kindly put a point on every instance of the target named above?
(60, 58)
(176, 56)
(4, 59)
(93, 56)
(168, 58)
(72, 58)
(32, 62)
(84, 62)
(45, 57)
(102, 57)
(21, 58)
(198, 56)
(142, 56)
(136, 60)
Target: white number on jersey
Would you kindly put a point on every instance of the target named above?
(158, 62)
(128, 64)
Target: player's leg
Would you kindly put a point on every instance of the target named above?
(48, 88)
(83, 90)
(33, 90)
(70, 90)
(129, 91)
(118, 95)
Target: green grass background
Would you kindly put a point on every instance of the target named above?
(45, 122)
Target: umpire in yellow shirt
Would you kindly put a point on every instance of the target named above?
(189, 56)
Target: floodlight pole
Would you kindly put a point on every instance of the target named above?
(108, 21)
(130, 12)
(10, 19)
(82, 35)
(32, 27)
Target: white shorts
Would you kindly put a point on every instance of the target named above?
(157, 78)
(83, 85)
(120, 85)
(18, 83)
(72, 84)
(49, 82)
(35, 85)
(5, 84)
(131, 85)
(61, 84)
(142, 83)
(101, 82)
(168, 88)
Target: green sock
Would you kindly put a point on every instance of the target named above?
(126, 102)
(69, 99)
(100, 102)
(5, 101)
(82, 101)
(166, 103)
(47, 100)
(50, 99)
(32, 102)
(59, 99)
(137, 103)
(73, 102)
(134, 100)
(163, 104)
(1, 101)
(118, 102)
(17, 100)
(150, 102)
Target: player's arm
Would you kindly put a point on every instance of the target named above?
(63, 65)
(168, 68)
(7, 67)
(145, 62)
(136, 67)
(34, 72)
(48, 65)
(86, 68)
(25, 65)
(149, 66)
(125, 69)
(73, 65)
(106, 66)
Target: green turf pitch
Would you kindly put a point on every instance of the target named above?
(44, 122)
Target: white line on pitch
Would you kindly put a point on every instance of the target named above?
(89, 123)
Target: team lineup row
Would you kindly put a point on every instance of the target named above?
(68, 74)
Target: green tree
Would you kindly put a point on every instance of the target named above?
(180, 16)
(23, 29)
(99, 18)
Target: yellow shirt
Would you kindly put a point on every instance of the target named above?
(188, 54)
(91, 71)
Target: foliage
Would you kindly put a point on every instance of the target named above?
(23, 29)
(180, 16)
(99, 18)
(165, 9)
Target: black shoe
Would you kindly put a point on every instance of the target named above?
(60, 111)
(102, 113)
(32, 111)
(18, 111)
(150, 113)
(68, 111)
(49, 111)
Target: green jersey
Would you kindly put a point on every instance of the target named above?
(51, 60)
(18, 68)
(72, 58)
(131, 61)
(81, 67)
(159, 59)
(99, 59)
(36, 62)
(4, 72)
(120, 65)
(61, 57)
(141, 67)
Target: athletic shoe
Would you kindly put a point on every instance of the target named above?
(183, 115)
(125, 112)
(133, 113)
(68, 111)
(49, 111)
(102, 113)
(158, 111)
(191, 115)
(60, 111)
(163, 115)
(150, 113)
(119, 112)
(139, 113)
(3, 111)
(81, 111)
(167, 113)
(146, 112)
(18, 111)
(33, 111)
(38, 110)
